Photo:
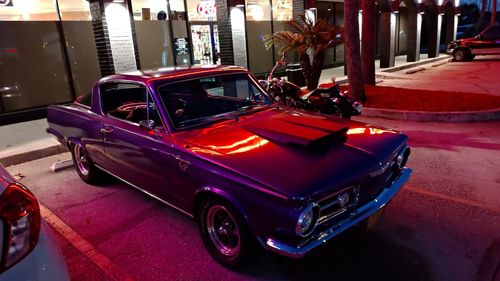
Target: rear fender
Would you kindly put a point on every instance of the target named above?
(60, 138)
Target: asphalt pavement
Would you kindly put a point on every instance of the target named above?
(443, 225)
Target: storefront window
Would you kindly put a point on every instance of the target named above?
(80, 44)
(150, 9)
(258, 10)
(75, 10)
(201, 10)
(282, 10)
(32, 66)
(27, 10)
(177, 5)
(258, 15)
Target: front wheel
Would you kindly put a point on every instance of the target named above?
(224, 233)
(460, 55)
(84, 166)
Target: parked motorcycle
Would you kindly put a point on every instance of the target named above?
(326, 99)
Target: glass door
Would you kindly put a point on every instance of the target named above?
(205, 40)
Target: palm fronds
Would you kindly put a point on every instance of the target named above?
(310, 40)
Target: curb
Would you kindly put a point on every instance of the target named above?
(31, 155)
(425, 116)
(413, 64)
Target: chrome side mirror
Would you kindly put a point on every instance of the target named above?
(147, 124)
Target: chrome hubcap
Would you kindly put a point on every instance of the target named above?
(459, 55)
(223, 230)
(82, 161)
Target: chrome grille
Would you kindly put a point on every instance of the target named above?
(337, 203)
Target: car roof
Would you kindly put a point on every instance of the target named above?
(172, 73)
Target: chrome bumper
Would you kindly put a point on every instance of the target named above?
(356, 217)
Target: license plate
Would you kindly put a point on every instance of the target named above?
(372, 220)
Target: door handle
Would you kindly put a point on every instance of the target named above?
(106, 130)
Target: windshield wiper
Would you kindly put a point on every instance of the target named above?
(209, 119)
(247, 104)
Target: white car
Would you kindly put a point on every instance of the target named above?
(27, 246)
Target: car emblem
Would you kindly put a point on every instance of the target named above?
(184, 165)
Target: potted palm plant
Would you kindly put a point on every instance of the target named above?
(310, 40)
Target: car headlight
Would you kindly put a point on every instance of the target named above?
(402, 157)
(307, 221)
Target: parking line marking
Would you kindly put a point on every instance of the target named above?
(87, 249)
(452, 198)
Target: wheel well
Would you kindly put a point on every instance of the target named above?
(201, 197)
(205, 194)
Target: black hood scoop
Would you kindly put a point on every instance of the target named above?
(300, 130)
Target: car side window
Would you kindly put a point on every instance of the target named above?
(496, 32)
(492, 33)
(129, 102)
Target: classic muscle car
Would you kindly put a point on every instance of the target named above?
(211, 143)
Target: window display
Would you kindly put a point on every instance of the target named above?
(27, 10)
(258, 10)
(282, 10)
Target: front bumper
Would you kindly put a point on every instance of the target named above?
(44, 262)
(356, 217)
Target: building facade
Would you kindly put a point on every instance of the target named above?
(52, 51)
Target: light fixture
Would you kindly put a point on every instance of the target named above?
(236, 3)
(310, 5)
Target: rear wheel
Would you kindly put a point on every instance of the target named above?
(224, 232)
(84, 166)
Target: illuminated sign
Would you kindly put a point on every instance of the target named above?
(4, 3)
(206, 8)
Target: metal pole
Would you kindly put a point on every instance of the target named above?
(64, 48)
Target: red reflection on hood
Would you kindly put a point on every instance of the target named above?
(250, 143)
(370, 131)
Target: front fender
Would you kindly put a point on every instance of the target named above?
(208, 191)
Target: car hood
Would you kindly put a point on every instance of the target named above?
(465, 40)
(294, 153)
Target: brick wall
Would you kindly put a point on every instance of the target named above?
(120, 37)
(225, 34)
(239, 37)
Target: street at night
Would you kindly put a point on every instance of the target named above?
(443, 225)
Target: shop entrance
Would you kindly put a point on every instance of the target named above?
(205, 37)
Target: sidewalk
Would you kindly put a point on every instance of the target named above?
(26, 141)
(400, 64)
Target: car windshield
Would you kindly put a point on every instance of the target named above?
(206, 100)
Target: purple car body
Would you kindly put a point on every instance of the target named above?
(291, 179)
